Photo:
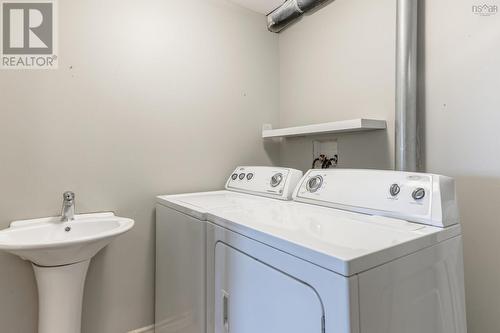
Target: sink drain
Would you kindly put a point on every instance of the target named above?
(67, 229)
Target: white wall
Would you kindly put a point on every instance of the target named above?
(462, 109)
(339, 63)
(151, 97)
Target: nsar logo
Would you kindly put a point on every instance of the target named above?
(485, 10)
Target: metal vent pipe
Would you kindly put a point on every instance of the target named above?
(407, 149)
(288, 12)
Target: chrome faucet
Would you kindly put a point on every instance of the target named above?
(68, 207)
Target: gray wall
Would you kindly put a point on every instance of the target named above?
(151, 97)
(338, 64)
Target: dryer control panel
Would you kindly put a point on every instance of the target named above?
(418, 197)
(264, 181)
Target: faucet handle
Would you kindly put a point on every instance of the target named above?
(68, 196)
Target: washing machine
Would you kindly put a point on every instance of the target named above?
(180, 304)
(357, 251)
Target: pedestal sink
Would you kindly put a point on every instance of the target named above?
(60, 253)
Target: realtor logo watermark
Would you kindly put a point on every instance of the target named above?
(485, 9)
(28, 37)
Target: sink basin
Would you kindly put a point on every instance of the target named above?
(60, 253)
(50, 242)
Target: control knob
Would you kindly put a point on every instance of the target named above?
(314, 184)
(276, 179)
(418, 194)
(394, 190)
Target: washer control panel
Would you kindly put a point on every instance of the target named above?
(417, 197)
(265, 181)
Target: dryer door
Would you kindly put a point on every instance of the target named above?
(251, 297)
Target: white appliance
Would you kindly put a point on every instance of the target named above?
(358, 251)
(181, 241)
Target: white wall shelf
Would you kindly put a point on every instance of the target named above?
(344, 126)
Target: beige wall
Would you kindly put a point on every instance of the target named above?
(151, 97)
(462, 108)
(339, 63)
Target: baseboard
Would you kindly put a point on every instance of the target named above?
(179, 324)
(147, 329)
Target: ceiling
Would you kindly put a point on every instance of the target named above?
(260, 6)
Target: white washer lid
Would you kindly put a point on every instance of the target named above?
(344, 242)
(197, 204)
(245, 184)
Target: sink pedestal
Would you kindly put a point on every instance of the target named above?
(60, 295)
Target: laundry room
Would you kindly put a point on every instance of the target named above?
(243, 166)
